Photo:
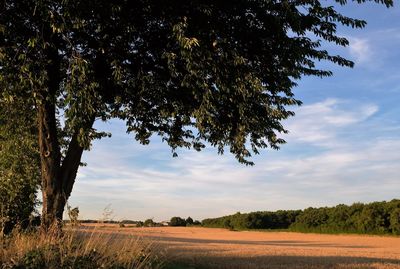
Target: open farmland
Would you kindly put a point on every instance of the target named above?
(219, 248)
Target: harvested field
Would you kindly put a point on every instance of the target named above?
(219, 248)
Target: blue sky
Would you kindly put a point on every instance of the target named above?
(343, 147)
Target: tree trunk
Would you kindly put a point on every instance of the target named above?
(57, 177)
(50, 159)
(58, 174)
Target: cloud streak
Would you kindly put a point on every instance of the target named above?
(144, 181)
(360, 49)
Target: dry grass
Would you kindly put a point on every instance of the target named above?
(219, 248)
(77, 249)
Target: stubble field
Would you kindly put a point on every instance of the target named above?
(192, 247)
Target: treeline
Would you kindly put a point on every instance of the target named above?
(281, 219)
(373, 218)
(178, 221)
(175, 221)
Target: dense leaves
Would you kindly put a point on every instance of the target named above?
(177, 221)
(19, 164)
(281, 219)
(225, 68)
(373, 218)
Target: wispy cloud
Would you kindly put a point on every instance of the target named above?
(360, 49)
(318, 123)
(144, 181)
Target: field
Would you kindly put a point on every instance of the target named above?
(187, 247)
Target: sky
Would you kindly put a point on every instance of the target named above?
(343, 146)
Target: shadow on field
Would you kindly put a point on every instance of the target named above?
(287, 243)
(286, 262)
(199, 253)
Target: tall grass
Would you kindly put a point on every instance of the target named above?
(77, 248)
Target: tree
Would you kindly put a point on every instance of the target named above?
(149, 223)
(193, 72)
(189, 221)
(197, 223)
(395, 221)
(73, 214)
(177, 221)
(19, 164)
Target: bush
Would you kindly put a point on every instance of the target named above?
(19, 164)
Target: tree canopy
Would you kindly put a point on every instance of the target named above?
(192, 72)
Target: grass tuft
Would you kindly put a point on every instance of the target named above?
(78, 249)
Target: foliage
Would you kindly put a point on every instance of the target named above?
(77, 250)
(373, 218)
(395, 220)
(19, 163)
(73, 214)
(177, 221)
(281, 219)
(149, 223)
(189, 221)
(197, 223)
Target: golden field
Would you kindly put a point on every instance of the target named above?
(218, 248)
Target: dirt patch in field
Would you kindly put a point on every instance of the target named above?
(219, 248)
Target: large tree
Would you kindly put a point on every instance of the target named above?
(193, 72)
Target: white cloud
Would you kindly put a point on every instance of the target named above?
(360, 49)
(144, 182)
(318, 123)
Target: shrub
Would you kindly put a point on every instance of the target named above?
(19, 164)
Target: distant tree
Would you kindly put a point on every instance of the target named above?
(212, 72)
(189, 221)
(373, 218)
(73, 214)
(139, 224)
(227, 224)
(177, 221)
(197, 223)
(149, 223)
(395, 221)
